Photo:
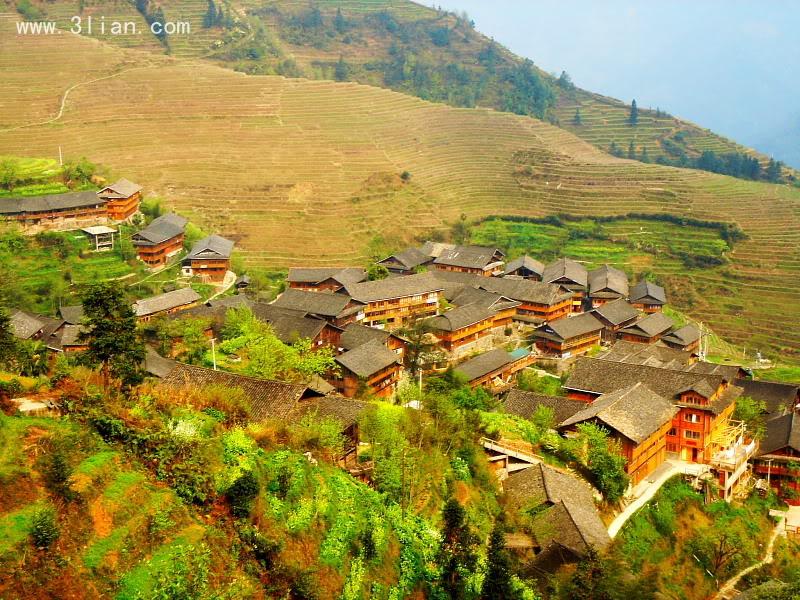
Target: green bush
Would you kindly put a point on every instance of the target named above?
(242, 493)
(44, 529)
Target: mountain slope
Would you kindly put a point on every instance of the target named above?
(397, 44)
(308, 172)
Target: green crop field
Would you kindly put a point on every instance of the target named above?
(307, 172)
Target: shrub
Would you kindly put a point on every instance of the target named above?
(44, 529)
(242, 493)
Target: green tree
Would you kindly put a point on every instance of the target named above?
(644, 157)
(632, 151)
(633, 118)
(376, 272)
(339, 22)
(342, 70)
(773, 172)
(210, 18)
(498, 582)
(604, 460)
(44, 529)
(8, 343)
(577, 119)
(9, 174)
(457, 557)
(564, 81)
(78, 172)
(752, 413)
(461, 230)
(111, 336)
(421, 346)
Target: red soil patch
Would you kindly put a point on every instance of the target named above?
(102, 520)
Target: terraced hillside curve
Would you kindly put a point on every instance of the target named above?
(308, 171)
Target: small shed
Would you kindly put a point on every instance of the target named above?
(101, 236)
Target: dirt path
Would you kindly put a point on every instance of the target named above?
(728, 588)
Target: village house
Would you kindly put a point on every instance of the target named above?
(778, 398)
(538, 302)
(338, 309)
(55, 211)
(648, 330)
(570, 275)
(702, 430)
(407, 262)
(395, 301)
(324, 279)
(165, 304)
(72, 314)
(647, 296)
(101, 237)
(684, 338)
(486, 262)
(778, 458)
(495, 370)
(122, 199)
(569, 337)
(355, 335)
(524, 267)
(29, 326)
(368, 368)
(654, 355)
(564, 522)
(606, 284)
(161, 240)
(615, 315)
(291, 326)
(462, 329)
(69, 338)
(525, 404)
(209, 259)
(638, 419)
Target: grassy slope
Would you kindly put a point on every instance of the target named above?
(305, 172)
(603, 118)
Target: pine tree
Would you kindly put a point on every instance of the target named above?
(576, 120)
(631, 150)
(339, 21)
(211, 15)
(457, 556)
(773, 171)
(633, 119)
(645, 158)
(342, 71)
(8, 344)
(497, 583)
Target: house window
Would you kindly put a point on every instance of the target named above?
(672, 431)
(691, 435)
(691, 418)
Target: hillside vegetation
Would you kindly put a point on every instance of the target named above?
(305, 172)
(401, 45)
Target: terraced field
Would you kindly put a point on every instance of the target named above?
(308, 171)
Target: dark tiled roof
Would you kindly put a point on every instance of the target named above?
(524, 404)
(782, 432)
(289, 325)
(605, 376)
(567, 269)
(635, 412)
(683, 336)
(355, 335)
(576, 527)
(525, 262)
(367, 359)
(484, 364)
(72, 314)
(525, 290)
(778, 397)
(617, 312)
(51, 202)
(434, 249)
(160, 230)
(473, 257)
(162, 302)
(729, 372)
(268, 398)
(568, 328)
(394, 287)
(473, 295)
(156, 365)
(541, 483)
(461, 317)
(326, 304)
(454, 283)
(24, 325)
(607, 279)
(343, 275)
(214, 246)
(648, 292)
(344, 410)
(650, 326)
(657, 354)
(410, 258)
(120, 189)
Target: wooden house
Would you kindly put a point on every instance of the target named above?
(394, 301)
(525, 404)
(338, 309)
(538, 302)
(461, 329)
(101, 237)
(638, 419)
(407, 262)
(368, 368)
(778, 398)
(324, 279)
(54, 211)
(122, 199)
(648, 330)
(570, 275)
(524, 267)
(778, 458)
(647, 296)
(655, 355)
(161, 240)
(569, 336)
(606, 284)
(209, 259)
(615, 315)
(355, 335)
(291, 326)
(495, 370)
(684, 338)
(165, 304)
(486, 262)
(561, 515)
